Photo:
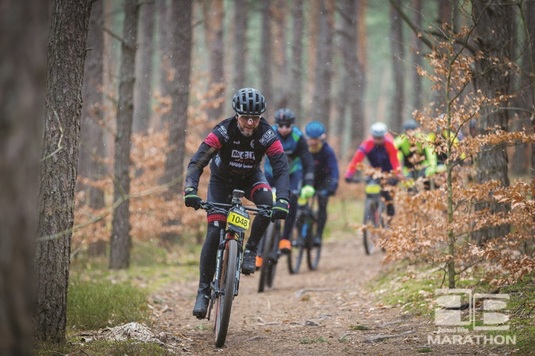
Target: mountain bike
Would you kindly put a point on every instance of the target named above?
(270, 255)
(374, 207)
(225, 284)
(303, 237)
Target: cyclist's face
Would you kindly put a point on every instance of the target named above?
(247, 124)
(314, 144)
(379, 141)
(284, 129)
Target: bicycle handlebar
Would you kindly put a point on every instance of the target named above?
(263, 210)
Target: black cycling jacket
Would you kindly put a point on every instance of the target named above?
(235, 157)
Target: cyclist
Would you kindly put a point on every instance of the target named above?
(301, 167)
(325, 172)
(235, 148)
(415, 153)
(382, 154)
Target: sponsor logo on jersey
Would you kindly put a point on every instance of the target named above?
(245, 155)
(267, 137)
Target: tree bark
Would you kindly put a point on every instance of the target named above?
(92, 150)
(143, 88)
(213, 28)
(181, 32)
(166, 73)
(58, 171)
(416, 58)
(265, 59)
(324, 64)
(493, 31)
(23, 29)
(398, 55)
(353, 79)
(120, 236)
(296, 62)
(280, 71)
(240, 43)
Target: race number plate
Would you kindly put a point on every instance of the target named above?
(238, 220)
(373, 188)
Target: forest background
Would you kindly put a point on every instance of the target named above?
(132, 88)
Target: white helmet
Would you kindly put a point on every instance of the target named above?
(378, 130)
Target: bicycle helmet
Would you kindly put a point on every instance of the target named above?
(410, 125)
(284, 116)
(378, 130)
(314, 129)
(248, 101)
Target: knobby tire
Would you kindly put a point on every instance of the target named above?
(369, 219)
(269, 260)
(227, 283)
(298, 247)
(313, 252)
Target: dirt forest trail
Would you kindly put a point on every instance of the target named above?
(325, 312)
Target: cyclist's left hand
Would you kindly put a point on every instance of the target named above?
(307, 192)
(280, 210)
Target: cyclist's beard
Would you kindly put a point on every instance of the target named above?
(245, 131)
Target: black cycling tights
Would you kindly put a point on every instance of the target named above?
(211, 243)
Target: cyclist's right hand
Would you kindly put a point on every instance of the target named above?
(280, 209)
(191, 199)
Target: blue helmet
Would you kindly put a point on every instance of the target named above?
(314, 129)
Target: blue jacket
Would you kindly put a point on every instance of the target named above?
(299, 158)
(326, 173)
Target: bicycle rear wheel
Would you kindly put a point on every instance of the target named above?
(223, 302)
(295, 257)
(270, 256)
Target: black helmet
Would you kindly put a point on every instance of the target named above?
(248, 101)
(410, 125)
(284, 116)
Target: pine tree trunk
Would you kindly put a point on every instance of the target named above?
(265, 59)
(494, 33)
(322, 83)
(353, 86)
(416, 58)
(164, 22)
(120, 235)
(398, 55)
(92, 150)
(240, 43)
(143, 88)
(213, 29)
(181, 32)
(296, 62)
(23, 29)
(58, 171)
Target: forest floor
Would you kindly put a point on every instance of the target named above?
(330, 311)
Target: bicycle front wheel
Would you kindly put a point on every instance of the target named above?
(298, 240)
(369, 236)
(226, 286)
(270, 256)
(313, 252)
